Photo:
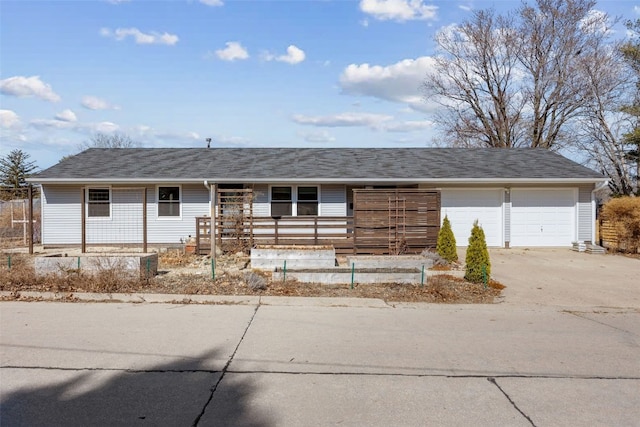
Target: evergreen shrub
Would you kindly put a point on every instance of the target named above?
(477, 256)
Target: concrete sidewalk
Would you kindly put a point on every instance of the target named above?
(278, 365)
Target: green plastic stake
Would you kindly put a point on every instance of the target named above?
(422, 277)
(9, 261)
(213, 269)
(148, 267)
(284, 272)
(484, 276)
(353, 273)
(78, 265)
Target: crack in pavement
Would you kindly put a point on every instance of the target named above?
(582, 315)
(327, 373)
(128, 370)
(226, 367)
(494, 382)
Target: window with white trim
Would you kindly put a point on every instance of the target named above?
(169, 201)
(298, 201)
(98, 203)
(281, 201)
(307, 202)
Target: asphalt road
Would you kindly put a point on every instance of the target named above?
(302, 362)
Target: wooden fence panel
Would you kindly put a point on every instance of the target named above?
(393, 221)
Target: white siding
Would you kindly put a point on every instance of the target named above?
(61, 215)
(124, 225)
(261, 200)
(195, 202)
(333, 200)
(585, 213)
(507, 216)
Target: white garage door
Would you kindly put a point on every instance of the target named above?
(463, 207)
(542, 217)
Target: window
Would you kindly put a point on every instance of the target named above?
(98, 203)
(169, 201)
(307, 201)
(299, 201)
(281, 201)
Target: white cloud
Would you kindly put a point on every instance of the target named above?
(342, 120)
(213, 3)
(317, 137)
(24, 87)
(636, 9)
(465, 7)
(408, 126)
(596, 21)
(118, 1)
(105, 127)
(67, 116)
(234, 51)
(375, 122)
(51, 124)
(399, 10)
(94, 103)
(294, 55)
(140, 37)
(9, 119)
(399, 82)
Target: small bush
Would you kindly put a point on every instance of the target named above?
(624, 214)
(255, 281)
(446, 246)
(435, 258)
(477, 256)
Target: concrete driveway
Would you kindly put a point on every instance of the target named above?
(562, 277)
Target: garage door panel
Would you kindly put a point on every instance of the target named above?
(542, 217)
(463, 207)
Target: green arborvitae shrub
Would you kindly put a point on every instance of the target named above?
(477, 255)
(446, 246)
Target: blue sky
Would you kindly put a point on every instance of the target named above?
(297, 73)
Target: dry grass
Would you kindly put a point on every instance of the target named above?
(438, 289)
(20, 276)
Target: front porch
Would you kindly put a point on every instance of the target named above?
(384, 222)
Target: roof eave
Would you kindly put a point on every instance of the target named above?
(438, 181)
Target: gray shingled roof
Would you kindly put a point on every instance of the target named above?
(290, 164)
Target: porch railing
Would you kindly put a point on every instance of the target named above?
(309, 230)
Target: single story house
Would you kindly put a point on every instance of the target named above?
(521, 197)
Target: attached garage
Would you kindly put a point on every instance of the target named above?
(464, 206)
(543, 217)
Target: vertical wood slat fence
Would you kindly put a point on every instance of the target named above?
(395, 221)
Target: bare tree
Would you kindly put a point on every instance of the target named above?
(603, 124)
(516, 80)
(109, 140)
(631, 53)
(474, 81)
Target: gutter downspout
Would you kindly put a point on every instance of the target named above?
(212, 208)
(593, 209)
